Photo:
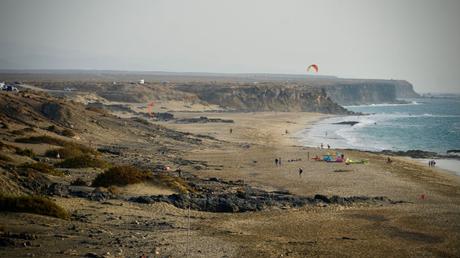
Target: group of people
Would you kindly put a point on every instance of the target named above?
(431, 163)
(322, 146)
(278, 163)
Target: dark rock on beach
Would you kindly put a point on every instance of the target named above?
(252, 200)
(203, 119)
(351, 123)
(417, 154)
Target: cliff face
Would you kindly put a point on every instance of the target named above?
(266, 98)
(354, 92)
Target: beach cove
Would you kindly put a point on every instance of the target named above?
(425, 222)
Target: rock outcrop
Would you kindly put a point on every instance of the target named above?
(355, 92)
(266, 97)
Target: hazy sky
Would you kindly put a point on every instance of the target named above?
(416, 40)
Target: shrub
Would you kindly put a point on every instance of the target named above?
(70, 150)
(42, 168)
(4, 157)
(25, 152)
(79, 182)
(6, 146)
(141, 120)
(52, 128)
(41, 139)
(67, 133)
(32, 204)
(168, 181)
(120, 176)
(83, 161)
(23, 131)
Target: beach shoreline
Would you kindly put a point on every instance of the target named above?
(417, 217)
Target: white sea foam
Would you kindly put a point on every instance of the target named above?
(386, 104)
(452, 165)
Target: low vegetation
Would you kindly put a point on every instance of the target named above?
(67, 133)
(6, 146)
(23, 131)
(25, 152)
(42, 168)
(70, 150)
(125, 175)
(5, 158)
(171, 182)
(141, 120)
(83, 161)
(32, 204)
(120, 176)
(42, 139)
(78, 182)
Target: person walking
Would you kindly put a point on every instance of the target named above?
(300, 172)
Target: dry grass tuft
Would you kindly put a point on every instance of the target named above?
(83, 161)
(70, 150)
(79, 182)
(32, 204)
(42, 168)
(42, 139)
(25, 152)
(5, 158)
(171, 182)
(120, 176)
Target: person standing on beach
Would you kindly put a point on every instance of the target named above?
(300, 172)
(328, 146)
(231, 130)
(276, 162)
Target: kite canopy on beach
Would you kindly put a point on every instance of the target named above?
(312, 67)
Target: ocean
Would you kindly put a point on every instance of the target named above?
(430, 124)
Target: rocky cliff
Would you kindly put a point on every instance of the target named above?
(265, 97)
(354, 92)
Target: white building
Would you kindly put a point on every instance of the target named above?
(141, 81)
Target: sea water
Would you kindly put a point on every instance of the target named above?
(430, 124)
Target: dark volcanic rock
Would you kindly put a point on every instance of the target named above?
(418, 154)
(251, 200)
(352, 123)
(203, 119)
(164, 116)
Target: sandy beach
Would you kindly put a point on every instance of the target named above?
(427, 226)
(424, 219)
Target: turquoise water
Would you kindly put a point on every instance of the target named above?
(425, 124)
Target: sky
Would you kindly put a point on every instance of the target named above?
(414, 40)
